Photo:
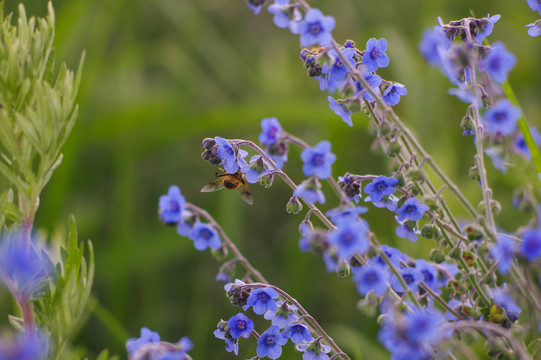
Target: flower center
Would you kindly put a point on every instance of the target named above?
(241, 324)
(205, 234)
(318, 159)
(269, 340)
(315, 27)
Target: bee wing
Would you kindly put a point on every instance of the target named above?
(245, 194)
(213, 186)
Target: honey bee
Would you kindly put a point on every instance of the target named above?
(231, 182)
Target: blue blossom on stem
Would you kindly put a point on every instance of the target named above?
(340, 216)
(254, 169)
(283, 316)
(240, 326)
(231, 345)
(506, 302)
(227, 154)
(411, 210)
(318, 160)
(407, 231)
(310, 191)
(432, 45)
(429, 273)
(412, 277)
(316, 28)
(503, 251)
(380, 187)
(520, 145)
(262, 299)
(272, 130)
(535, 5)
(147, 337)
(171, 206)
(285, 16)
(392, 253)
(204, 237)
(374, 56)
(337, 70)
(392, 93)
(24, 347)
(530, 247)
(485, 27)
(502, 117)
(340, 110)
(350, 238)
(256, 6)
(314, 350)
(149, 346)
(498, 62)
(297, 333)
(373, 277)
(270, 343)
(25, 267)
(373, 80)
(534, 28)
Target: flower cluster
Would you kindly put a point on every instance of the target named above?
(149, 346)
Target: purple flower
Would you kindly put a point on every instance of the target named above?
(340, 110)
(256, 8)
(392, 93)
(340, 216)
(407, 231)
(503, 251)
(255, 169)
(262, 299)
(230, 344)
(23, 347)
(337, 70)
(535, 5)
(240, 326)
(430, 275)
(25, 267)
(314, 350)
(285, 16)
(204, 237)
(424, 327)
(350, 238)
(272, 130)
(434, 42)
(506, 302)
(502, 117)
(171, 206)
(392, 253)
(498, 62)
(412, 277)
(534, 29)
(373, 278)
(374, 56)
(297, 333)
(316, 28)
(380, 187)
(373, 80)
(147, 337)
(270, 343)
(485, 27)
(318, 160)
(412, 210)
(283, 316)
(520, 145)
(227, 154)
(530, 247)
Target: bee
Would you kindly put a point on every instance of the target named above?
(231, 182)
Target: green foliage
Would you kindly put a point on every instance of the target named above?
(37, 107)
(63, 308)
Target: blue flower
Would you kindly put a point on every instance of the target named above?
(149, 346)
(297, 333)
(350, 238)
(502, 117)
(230, 344)
(534, 29)
(530, 247)
(270, 343)
(310, 192)
(337, 70)
(380, 187)
(255, 169)
(392, 253)
(340, 216)
(373, 80)
(520, 145)
(485, 27)
(392, 93)
(227, 154)
(204, 237)
(506, 302)
(285, 16)
(23, 347)
(255, 8)
(430, 275)
(171, 206)
(314, 350)
(412, 210)
(535, 5)
(498, 62)
(240, 326)
(390, 202)
(503, 251)
(272, 130)
(412, 277)
(374, 56)
(262, 299)
(340, 110)
(318, 160)
(316, 28)
(424, 327)
(25, 267)
(407, 231)
(147, 337)
(283, 316)
(373, 278)
(434, 42)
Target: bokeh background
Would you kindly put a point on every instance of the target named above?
(161, 75)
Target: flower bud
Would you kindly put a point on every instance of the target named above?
(473, 173)
(393, 149)
(474, 233)
(428, 231)
(293, 206)
(455, 253)
(437, 256)
(416, 175)
(401, 179)
(386, 129)
(208, 143)
(266, 180)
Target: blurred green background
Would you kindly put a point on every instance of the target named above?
(161, 75)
